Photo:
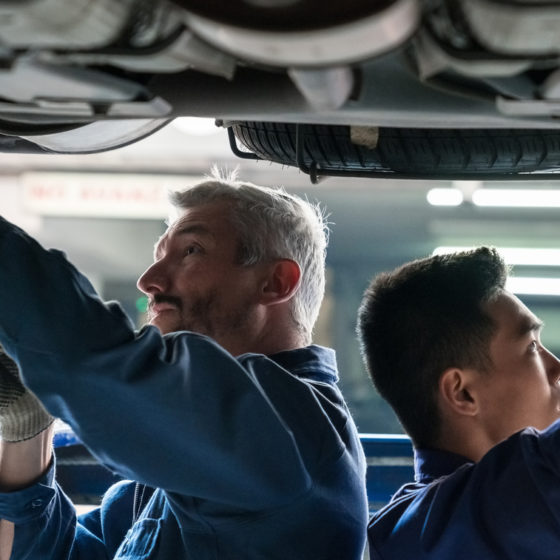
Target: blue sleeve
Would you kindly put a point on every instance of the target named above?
(109, 522)
(175, 412)
(46, 525)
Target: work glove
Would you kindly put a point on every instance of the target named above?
(22, 416)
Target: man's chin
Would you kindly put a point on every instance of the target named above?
(164, 327)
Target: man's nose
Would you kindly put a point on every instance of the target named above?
(155, 279)
(553, 364)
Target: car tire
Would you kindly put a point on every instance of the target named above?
(414, 153)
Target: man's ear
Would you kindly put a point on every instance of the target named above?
(456, 391)
(283, 277)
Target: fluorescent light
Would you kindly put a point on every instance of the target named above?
(527, 198)
(445, 197)
(446, 249)
(515, 255)
(480, 196)
(533, 286)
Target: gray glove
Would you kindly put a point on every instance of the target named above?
(22, 416)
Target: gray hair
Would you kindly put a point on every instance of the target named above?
(272, 224)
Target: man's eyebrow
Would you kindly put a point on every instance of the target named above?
(192, 228)
(530, 324)
(159, 244)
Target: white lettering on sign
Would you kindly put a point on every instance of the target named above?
(102, 195)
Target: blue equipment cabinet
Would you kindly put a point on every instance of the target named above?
(84, 480)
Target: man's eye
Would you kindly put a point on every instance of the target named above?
(534, 346)
(191, 250)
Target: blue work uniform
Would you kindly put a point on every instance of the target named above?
(504, 507)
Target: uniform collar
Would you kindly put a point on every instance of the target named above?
(430, 464)
(312, 362)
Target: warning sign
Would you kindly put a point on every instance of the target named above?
(101, 195)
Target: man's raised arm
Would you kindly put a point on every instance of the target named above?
(26, 440)
(21, 464)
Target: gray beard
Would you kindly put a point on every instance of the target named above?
(205, 317)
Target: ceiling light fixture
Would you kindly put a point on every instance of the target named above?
(486, 197)
(445, 197)
(525, 198)
(533, 286)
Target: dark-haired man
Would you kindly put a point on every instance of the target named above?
(461, 361)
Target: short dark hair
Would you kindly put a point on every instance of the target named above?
(419, 320)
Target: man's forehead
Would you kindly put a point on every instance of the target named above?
(512, 316)
(187, 220)
(200, 220)
(178, 230)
